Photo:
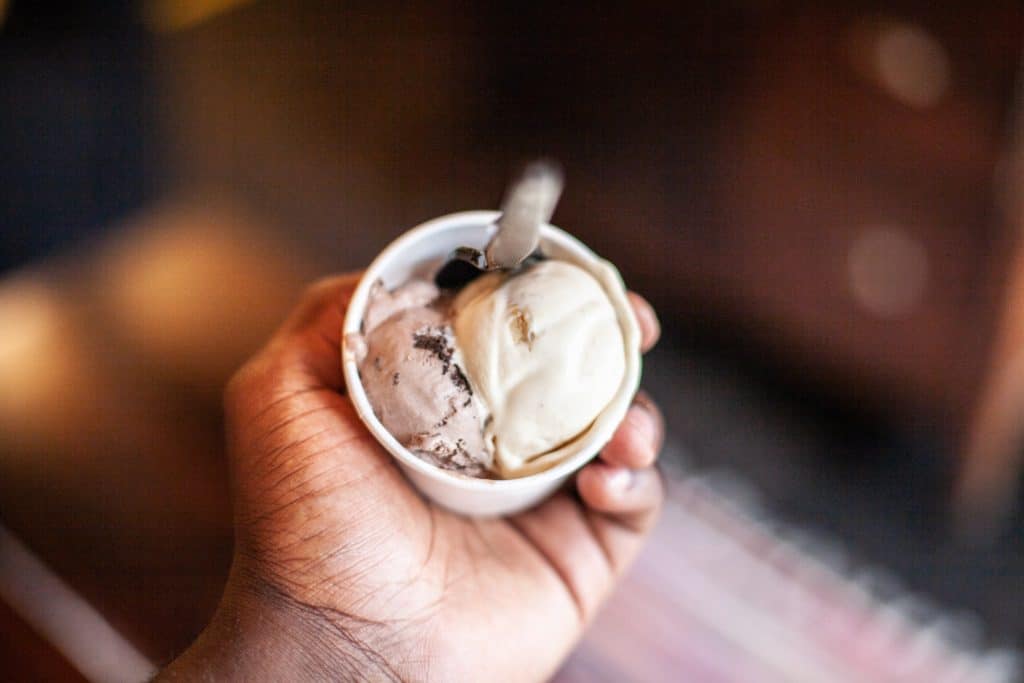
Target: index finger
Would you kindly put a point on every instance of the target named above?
(322, 305)
(306, 349)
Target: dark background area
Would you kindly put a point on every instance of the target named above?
(73, 112)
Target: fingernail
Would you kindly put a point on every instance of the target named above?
(620, 479)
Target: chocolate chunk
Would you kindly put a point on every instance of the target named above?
(459, 380)
(437, 344)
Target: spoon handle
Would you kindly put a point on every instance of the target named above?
(529, 203)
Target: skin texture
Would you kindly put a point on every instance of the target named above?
(343, 572)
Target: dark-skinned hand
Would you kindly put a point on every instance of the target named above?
(342, 571)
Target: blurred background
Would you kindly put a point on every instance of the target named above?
(823, 200)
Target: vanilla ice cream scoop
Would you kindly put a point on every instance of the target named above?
(545, 353)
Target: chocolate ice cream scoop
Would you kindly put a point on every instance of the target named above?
(413, 377)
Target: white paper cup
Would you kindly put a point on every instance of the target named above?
(419, 253)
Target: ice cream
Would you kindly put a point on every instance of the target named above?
(498, 378)
(545, 355)
(413, 377)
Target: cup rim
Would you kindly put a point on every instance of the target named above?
(593, 442)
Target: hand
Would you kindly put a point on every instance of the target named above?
(342, 571)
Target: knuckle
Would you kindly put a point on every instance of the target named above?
(317, 288)
(329, 284)
(235, 387)
(242, 383)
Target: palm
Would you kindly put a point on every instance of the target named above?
(327, 520)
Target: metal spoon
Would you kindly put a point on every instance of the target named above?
(529, 203)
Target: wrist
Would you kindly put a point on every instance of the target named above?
(260, 634)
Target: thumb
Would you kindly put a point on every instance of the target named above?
(287, 420)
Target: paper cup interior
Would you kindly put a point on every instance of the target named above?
(419, 253)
